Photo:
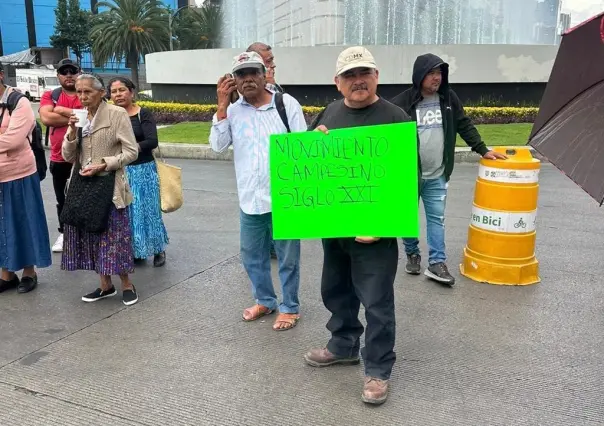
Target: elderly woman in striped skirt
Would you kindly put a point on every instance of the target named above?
(149, 232)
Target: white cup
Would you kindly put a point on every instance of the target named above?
(82, 116)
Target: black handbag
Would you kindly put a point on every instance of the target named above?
(89, 199)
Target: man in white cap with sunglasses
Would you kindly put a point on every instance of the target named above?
(362, 269)
(247, 125)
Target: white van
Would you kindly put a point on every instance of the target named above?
(35, 81)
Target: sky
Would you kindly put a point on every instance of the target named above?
(580, 10)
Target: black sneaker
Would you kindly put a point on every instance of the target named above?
(99, 294)
(9, 285)
(159, 259)
(439, 272)
(414, 262)
(130, 297)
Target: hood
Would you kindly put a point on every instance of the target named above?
(424, 64)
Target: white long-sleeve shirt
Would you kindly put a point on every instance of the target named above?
(249, 129)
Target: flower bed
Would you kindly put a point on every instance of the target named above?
(169, 113)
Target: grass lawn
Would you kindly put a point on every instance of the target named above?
(189, 132)
(502, 134)
(492, 134)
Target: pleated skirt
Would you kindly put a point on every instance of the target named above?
(107, 253)
(24, 239)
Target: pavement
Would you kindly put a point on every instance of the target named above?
(475, 354)
(36, 107)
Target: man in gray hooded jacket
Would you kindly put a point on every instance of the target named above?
(440, 118)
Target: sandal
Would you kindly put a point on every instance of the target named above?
(290, 320)
(256, 311)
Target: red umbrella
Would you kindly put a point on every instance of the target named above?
(569, 129)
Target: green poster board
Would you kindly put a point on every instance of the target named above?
(359, 181)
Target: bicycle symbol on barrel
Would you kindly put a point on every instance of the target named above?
(520, 224)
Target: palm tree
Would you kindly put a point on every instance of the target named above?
(128, 29)
(199, 28)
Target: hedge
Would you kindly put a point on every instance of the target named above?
(169, 113)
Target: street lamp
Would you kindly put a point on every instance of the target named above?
(171, 17)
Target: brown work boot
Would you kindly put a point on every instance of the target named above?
(321, 357)
(375, 391)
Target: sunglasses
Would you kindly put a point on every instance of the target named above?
(67, 71)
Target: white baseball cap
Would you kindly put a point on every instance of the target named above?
(248, 60)
(355, 57)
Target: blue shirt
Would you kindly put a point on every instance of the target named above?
(248, 129)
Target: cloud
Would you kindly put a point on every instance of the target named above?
(582, 10)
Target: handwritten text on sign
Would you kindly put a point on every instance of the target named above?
(351, 182)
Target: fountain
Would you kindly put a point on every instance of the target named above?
(379, 22)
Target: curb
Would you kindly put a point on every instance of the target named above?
(204, 152)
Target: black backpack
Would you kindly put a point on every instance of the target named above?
(280, 106)
(36, 137)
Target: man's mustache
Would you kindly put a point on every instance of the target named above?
(359, 87)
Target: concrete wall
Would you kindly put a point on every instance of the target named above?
(469, 64)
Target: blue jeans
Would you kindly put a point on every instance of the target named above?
(256, 235)
(433, 193)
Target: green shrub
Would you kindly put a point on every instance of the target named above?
(172, 112)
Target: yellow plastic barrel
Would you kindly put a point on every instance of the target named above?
(501, 237)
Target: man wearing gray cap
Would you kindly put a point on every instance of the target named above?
(247, 125)
(362, 269)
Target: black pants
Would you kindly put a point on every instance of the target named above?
(60, 175)
(355, 273)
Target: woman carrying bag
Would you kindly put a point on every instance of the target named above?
(149, 232)
(97, 228)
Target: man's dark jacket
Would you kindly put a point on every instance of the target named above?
(454, 118)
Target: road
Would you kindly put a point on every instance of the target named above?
(472, 355)
(36, 106)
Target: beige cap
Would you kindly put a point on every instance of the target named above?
(354, 57)
(248, 60)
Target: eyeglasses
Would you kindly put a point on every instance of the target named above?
(67, 71)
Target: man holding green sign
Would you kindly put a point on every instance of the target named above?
(341, 185)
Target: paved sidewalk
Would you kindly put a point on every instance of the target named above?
(472, 355)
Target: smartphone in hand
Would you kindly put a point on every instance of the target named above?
(234, 93)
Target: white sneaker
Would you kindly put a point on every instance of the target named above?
(58, 245)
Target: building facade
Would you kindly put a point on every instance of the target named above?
(563, 25)
(30, 23)
(299, 23)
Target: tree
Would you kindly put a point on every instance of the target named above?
(198, 28)
(61, 39)
(127, 30)
(72, 28)
(79, 29)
